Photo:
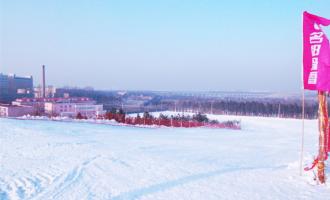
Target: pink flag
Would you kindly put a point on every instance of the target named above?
(316, 54)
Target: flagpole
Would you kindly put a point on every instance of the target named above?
(323, 128)
(303, 107)
(303, 132)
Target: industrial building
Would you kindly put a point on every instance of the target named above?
(4, 91)
(13, 87)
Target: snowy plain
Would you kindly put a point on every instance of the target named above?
(69, 160)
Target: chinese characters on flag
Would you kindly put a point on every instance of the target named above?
(316, 73)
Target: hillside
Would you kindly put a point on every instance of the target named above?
(65, 160)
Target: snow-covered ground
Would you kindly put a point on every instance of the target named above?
(66, 160)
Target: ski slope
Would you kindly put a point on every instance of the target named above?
(68, 160)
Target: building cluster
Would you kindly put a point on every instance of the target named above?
(18, 97)
(63, 107)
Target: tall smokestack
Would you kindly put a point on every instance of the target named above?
(43, 82)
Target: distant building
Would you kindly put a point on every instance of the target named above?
(50, 92)
(66, 95)
(4, 88)
(37, 103)
(71, 107)
(12, 87)
(7, 110)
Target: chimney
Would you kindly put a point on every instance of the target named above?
(43, 82)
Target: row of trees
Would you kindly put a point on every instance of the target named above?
(247, 108)
(119, 115)
(178, 120)
(269, 109)
(199, 117)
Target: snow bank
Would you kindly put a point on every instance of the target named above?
(50, 160)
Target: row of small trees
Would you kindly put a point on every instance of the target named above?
(119, 115)
(178, 120)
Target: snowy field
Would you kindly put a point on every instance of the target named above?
(67, 160)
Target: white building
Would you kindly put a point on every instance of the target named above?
(71, 108)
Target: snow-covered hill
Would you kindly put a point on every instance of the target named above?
(63, 160)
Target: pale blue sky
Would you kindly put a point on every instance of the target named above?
(157, 45)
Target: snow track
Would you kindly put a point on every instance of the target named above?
(50, 160)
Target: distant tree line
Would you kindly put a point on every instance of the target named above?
(267, 109)
(247, 108)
